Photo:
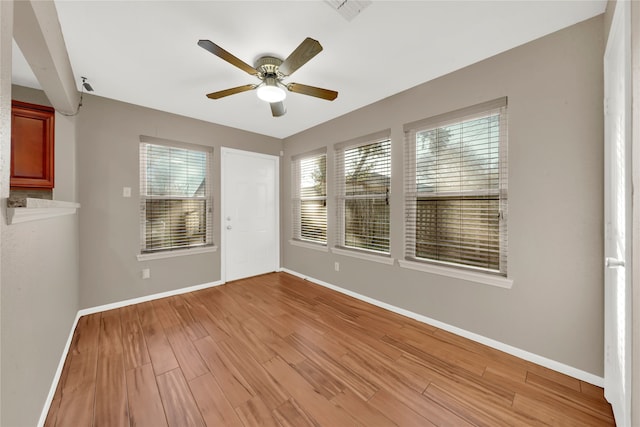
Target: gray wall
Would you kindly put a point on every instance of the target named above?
(108, 140)
(40, 288)
(555, 308)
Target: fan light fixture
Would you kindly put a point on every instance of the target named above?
(270, 91)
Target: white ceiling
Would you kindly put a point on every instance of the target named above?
(145, 52)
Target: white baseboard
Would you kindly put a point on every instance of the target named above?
(522, 354)
(119, 304)
(98, 309)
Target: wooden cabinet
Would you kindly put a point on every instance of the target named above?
(32, 145)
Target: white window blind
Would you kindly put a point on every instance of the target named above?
(175, 195)
(456, 188)
(309, 197)
(363, 179)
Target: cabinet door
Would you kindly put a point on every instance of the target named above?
(32, 144)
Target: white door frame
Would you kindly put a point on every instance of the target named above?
(618, 291)
(223, 234)
(635, 249)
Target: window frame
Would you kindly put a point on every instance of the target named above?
(297, 198)
(339, 246)
(208, 245)
(465, 271)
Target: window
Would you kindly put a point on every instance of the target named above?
(175, 195)
(456, 188)
(309, 193)
(363, 177)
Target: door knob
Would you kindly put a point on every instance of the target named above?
(613, 262)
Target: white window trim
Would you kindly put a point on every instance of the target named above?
(459, 273)
(322, 247)
(364, 254)
(170, 253)
(297, 199)
(176, 253)
(341, 248)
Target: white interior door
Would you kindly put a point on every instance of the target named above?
(250, 214)
(618, 225)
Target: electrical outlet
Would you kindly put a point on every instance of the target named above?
(146, 273)
(337, 266)
(126, 191)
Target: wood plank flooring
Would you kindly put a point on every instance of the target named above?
(275, 350)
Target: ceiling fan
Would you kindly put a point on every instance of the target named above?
(271, 71)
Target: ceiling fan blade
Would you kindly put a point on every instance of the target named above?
(278, 109)
(223, 54)
(231, 91)
(327, 94)
(300, 56)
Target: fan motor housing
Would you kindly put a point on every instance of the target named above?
(268, 66)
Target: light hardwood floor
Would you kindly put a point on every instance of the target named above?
(275, 350)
